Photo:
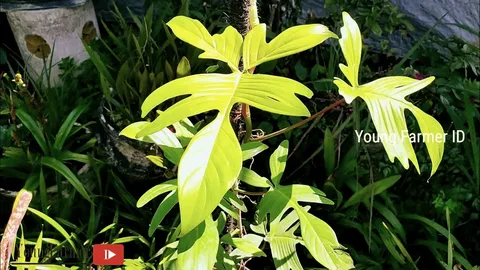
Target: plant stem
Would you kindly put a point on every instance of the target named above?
(301, 123)
(251, 193)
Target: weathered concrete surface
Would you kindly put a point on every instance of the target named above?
(12, 5)
(427, 13)
(423, 15)
(61, 31)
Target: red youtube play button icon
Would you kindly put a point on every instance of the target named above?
(108, 254)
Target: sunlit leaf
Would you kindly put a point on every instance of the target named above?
(225, 47)
(214, 157)
(385, 99)
(251, 149)
(291, 41)
(253, 179)
(196, 250)
(247, 246)
(278, 162)
(164, 138)
(156, 191)
(55, 225)
(163, 209)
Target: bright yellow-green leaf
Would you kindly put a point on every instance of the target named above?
(251, 149)
(385, 99)
(278, 161)
(196, 250)
(291, 41)
(207, 170)
(351, 44)
(157, 160)
(319, 238)
(247, 246)
(165, 139)
(225, 47)
(213, 159)
(156, 191)
(36, 251)
(183, 68)
(322, 243)
(21, 251)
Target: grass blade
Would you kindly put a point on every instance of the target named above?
(68, 174)
(55, 225)
(67, 126)
(34, 127)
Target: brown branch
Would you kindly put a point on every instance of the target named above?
(301, 123)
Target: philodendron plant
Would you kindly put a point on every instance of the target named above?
(211, 164)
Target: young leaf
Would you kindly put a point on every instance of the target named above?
(185, 130)
(165, 139)
(247, 246)
(156, 191)
(253, 179)
(291, 41)
(278, 161)
(385, 99)
(251, 149)
(225, 47)
(157, 160)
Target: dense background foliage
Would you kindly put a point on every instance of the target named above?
(386, 216)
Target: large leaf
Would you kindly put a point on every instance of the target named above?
(225, 47)
(214, 158)
(196, 250)
(385, 99)
(291, 41)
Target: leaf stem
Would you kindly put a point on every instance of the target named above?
(248, 122)
(301, 123)
(246, 117)
(251, 193)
